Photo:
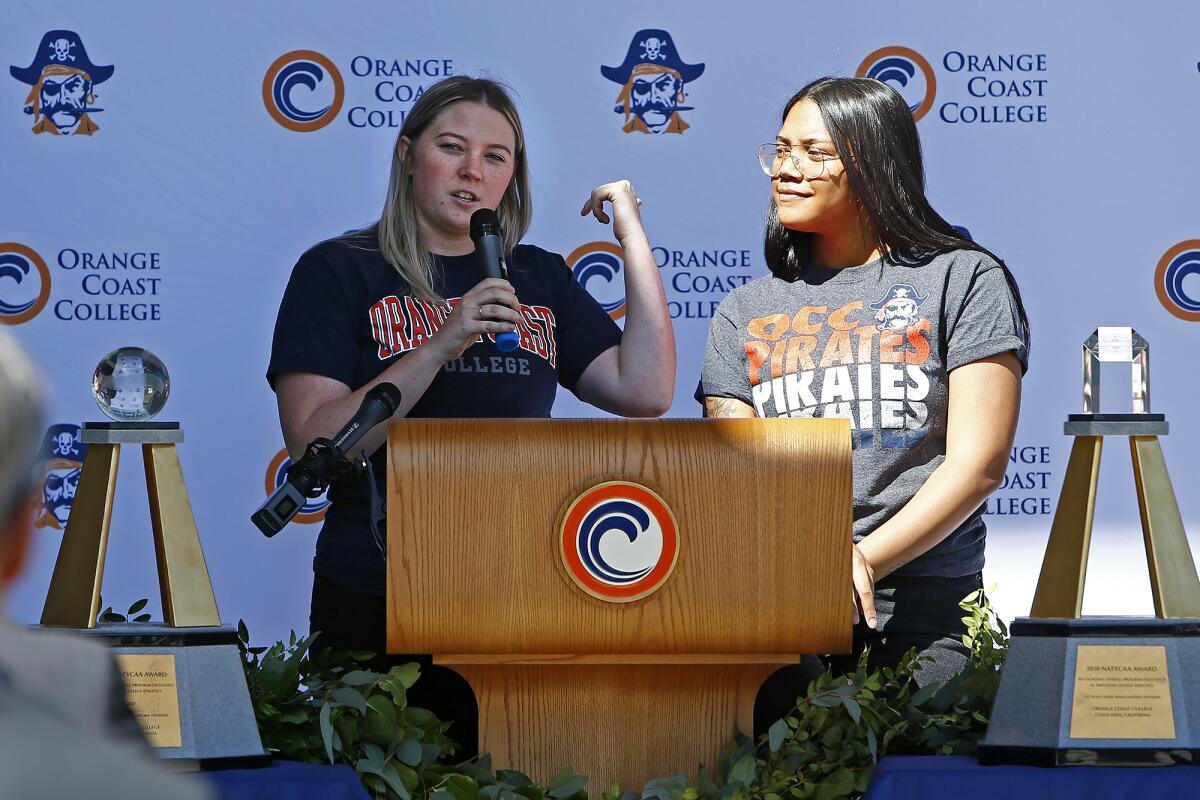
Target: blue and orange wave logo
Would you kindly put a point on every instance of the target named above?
(314, 509)
(1176, 292)
(24, 283)
(597, 267)
(906, 71)
(619, 541)
(316, 73)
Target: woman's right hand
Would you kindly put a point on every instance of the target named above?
(491, 306)
(863, 575)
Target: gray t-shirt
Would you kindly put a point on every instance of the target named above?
(873, 344)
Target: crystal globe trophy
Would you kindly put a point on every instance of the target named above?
(131, 385)
(1087, 690)
(187, 686)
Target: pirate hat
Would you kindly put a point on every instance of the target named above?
(62, 441)
(899, 291)
(652, 46)
(64, 48)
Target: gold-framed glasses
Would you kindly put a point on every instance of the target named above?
(808, 160)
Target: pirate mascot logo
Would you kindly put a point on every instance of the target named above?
(652, 80)
(897, 311)
(62, 78)
(62, 453)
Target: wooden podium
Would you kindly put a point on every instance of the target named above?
(632, 689)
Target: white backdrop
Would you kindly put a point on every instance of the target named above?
(1083, 185)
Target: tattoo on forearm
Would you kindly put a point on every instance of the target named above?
(721, 407)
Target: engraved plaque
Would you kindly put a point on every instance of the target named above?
(153, 694)
(1121, 692)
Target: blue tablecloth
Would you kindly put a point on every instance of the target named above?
(925, 777)
(288, 780)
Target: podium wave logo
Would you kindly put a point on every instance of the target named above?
(303, 91)
(313, 509)
(24, 283)
(906, 71)
(619, 541)
(597, 266)
(1177, 280)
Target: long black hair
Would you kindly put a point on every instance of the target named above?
(873, 130)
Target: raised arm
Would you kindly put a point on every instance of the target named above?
(637, 377)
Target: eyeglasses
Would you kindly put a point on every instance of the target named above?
(808, 161)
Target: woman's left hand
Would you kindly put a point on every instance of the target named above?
(625, 203)
(863, 576)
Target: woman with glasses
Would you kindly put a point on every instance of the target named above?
(878, 311)
(406, 301)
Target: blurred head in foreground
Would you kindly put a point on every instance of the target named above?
(20, 431)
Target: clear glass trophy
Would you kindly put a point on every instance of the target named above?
(131, 384)
(1117, 345)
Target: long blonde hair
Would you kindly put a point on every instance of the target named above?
(397, 233)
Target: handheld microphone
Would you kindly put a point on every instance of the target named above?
(489, 244)
(324, 461)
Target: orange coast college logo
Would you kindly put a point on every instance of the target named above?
(619, 541)
(652, 78)
(293, 109)
(597, 267)
(1177, 280)
(24, 283)
(62, 81)
(314, 508)
(1009, 87)
(906, 71)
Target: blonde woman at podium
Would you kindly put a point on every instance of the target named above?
(406, 301)
(877, 310)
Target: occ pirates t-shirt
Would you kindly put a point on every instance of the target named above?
(345, 315)
(873, 344)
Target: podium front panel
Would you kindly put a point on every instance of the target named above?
(475, 512)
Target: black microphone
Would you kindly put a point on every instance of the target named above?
(324, 461)
(489, 244)
(379, 403)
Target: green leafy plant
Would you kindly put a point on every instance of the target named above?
(319, 706)
(109, 617)
(828, 744)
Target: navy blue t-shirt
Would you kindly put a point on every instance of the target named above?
(345, 315)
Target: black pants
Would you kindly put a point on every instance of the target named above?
(911, 612)
(353, 621)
